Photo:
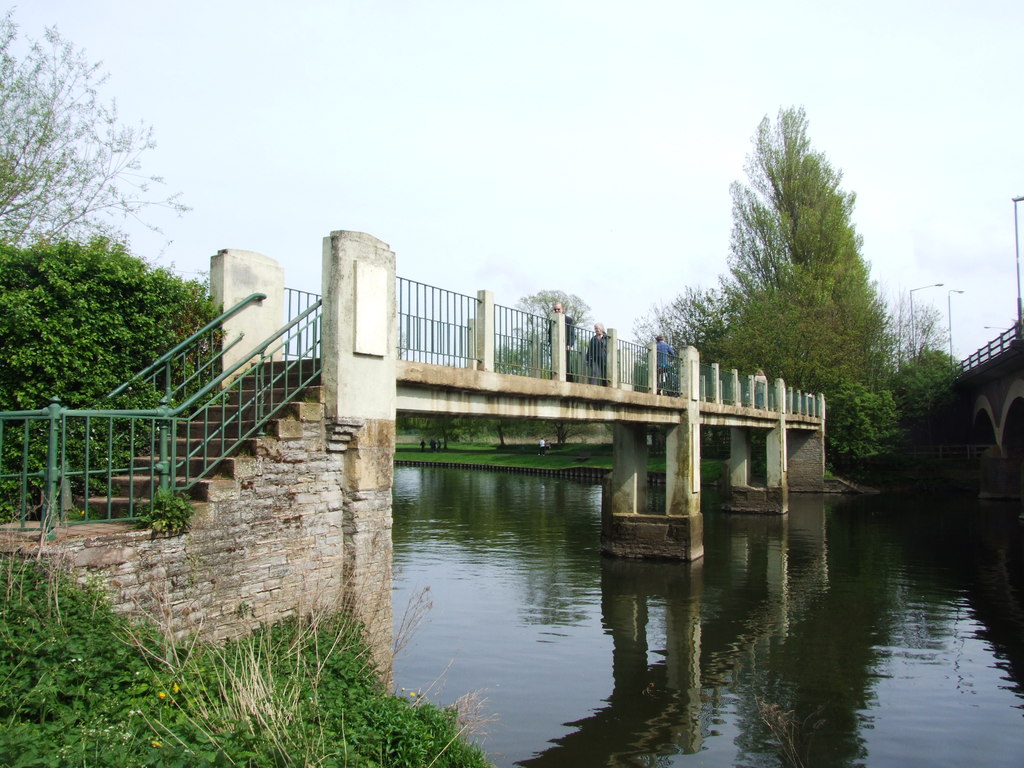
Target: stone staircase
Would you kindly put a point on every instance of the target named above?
(207, 451)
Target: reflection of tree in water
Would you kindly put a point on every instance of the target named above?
(537, 519)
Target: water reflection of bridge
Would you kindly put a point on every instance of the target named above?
(672, 659)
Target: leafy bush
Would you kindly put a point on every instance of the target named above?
(862, 425)
(169, 513)
(79, 319)
(924, 386)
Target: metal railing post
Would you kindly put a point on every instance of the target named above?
(614, 377)
(485, 330)
(652, 367)
(163, 466)
(51, 481)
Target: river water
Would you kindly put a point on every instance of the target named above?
(871, 630)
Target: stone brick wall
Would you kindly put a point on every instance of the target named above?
(806, 461)
(281, 536)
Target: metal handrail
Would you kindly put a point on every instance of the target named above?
(634, 365)
(163, 364)
(447, 336)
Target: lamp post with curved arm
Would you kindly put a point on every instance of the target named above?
(1016, 248)
(913, 321)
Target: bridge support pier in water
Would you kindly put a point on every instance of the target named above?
(794, 461)
(628, 529)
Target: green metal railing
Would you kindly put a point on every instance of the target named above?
(728, 388)
(191, 365)
(60, 465)
(522, 343)
(634, 366)
(435, 325)
(295, 303)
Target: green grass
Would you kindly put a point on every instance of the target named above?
(567, 456)
(83, 686)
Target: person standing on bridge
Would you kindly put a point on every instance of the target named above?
(666, 361)
(597, 356)
(570, 340)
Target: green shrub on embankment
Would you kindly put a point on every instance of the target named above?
(83, 686)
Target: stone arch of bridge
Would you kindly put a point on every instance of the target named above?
(983, 421)
(1012, 441)
(983, 430)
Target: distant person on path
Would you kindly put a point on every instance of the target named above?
(423, 445)
(597, 356)
(570, 340)
(433, 445)
(666, 359)
(543, 447)
(760, 388)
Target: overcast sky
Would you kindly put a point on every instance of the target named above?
(582, 145)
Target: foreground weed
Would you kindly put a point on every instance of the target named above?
(793, 735)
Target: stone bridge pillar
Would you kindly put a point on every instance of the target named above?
(360, 340)
(773, 496)
(628, 529)
(806, 451)
(777, 464)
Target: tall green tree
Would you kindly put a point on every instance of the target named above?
(802, 302)
(69, 168)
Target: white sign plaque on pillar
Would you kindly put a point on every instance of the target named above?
(371, 299)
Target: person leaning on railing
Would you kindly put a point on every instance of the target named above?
(597, 356)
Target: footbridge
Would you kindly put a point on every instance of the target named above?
(283, 436)
(394, 346)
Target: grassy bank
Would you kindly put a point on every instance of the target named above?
(567, 456)
(83, 686)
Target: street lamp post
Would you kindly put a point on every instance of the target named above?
(949, 320)
(1016, 248)
(913, 320)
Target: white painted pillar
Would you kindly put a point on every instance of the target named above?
(776, 450)
(358, 326)
(559, 356)
(235, 275)
(359, 332)
(483, 330)
(682, 444)
(629, 469)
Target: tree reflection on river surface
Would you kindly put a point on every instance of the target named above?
(891, 629)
